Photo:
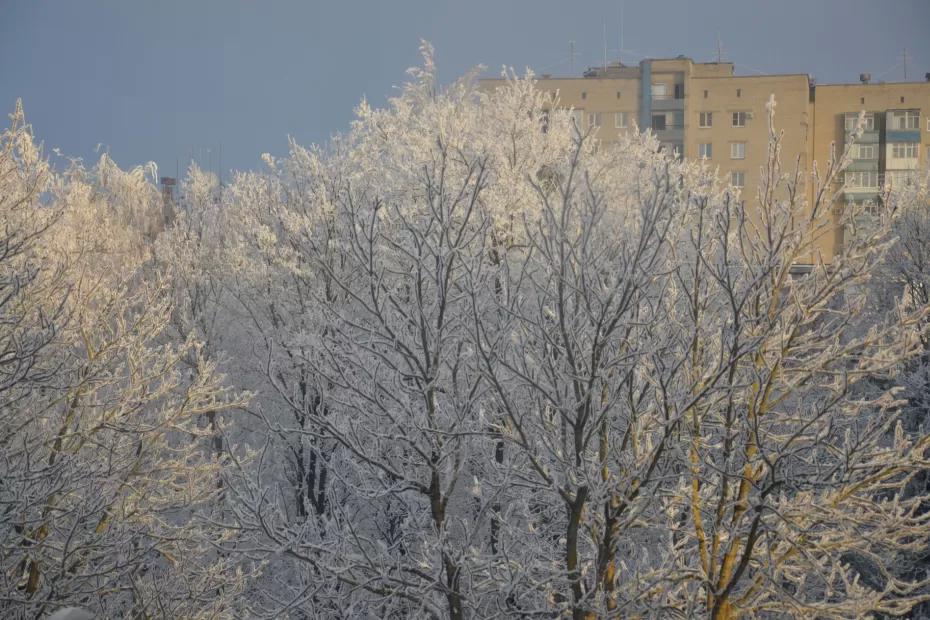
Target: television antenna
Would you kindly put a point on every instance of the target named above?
(620, 51)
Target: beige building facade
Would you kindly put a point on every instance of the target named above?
(704, 110)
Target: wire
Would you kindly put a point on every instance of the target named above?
(888, 70)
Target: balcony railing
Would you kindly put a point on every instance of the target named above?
(885, 181)
(669, 127)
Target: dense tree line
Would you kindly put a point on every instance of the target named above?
(462, 362)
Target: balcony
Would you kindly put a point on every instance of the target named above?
(866, 165)
(860, 186)
(860, 194)
(868, 137)
(669, 132)
(667, 102)
(902, 135)
(902, 126)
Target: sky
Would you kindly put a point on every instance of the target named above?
(228, 80)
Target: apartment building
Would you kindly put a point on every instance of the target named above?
(704, 110)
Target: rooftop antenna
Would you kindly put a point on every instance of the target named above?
(571, 56)
(605, 45)
(905, 64)
(620, 51)
(719, 49)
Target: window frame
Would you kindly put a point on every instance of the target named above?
(738, 114)
(654, 90)
(709, 117)
(849, 122)
(706, 153)
(737, 150)
(901, 119)
(740, 176)
(871, 148)
(899, 150)
(594, 119)
(620, 120)
(859, 176)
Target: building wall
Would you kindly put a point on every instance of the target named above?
(811, 119)
(834, 101)
(603, 96)
(748, 97)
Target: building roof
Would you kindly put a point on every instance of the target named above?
(617, 70)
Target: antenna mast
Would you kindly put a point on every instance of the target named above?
(905, 64)
(719, 50)
(605, 45)
(620, 51)
(571, 56)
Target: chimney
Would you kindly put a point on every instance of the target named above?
(865, 77)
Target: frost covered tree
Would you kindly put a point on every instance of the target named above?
(192, 251)
(500, 369)
(100, 481)
(793, 501)
(904, 278)
(562, 378)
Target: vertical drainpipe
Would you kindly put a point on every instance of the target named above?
(645, 104)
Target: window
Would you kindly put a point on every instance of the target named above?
(853, 117)
(866, 151)
(659, 91)
(679, 91)
(737, 150)
(738, 178)
(739, 119)
(706, 150)
(584, 95)
(706, 119)
(928, 124)
(862, 178)
(618, 94)
(739, 92)
(905, 119)
(594, 119)
(620, 120)
(904, 150)
(658, 122)
(705, 94)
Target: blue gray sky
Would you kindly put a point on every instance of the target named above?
(160, 80)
